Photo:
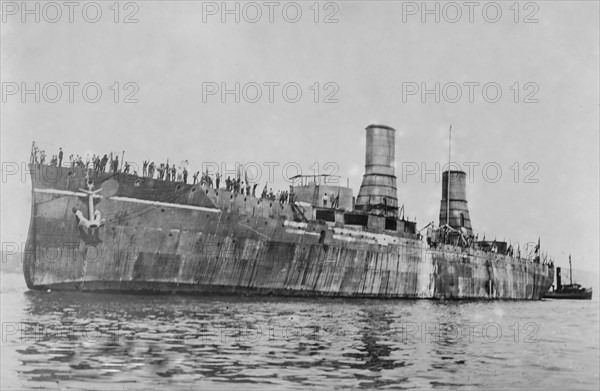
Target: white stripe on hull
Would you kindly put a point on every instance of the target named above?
(127, 199)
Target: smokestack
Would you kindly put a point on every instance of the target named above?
(378, 191)
(558, 279)
(459, 212)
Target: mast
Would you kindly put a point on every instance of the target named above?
(570, 271)
(32, 156)
(448, 179)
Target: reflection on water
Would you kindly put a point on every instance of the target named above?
(65, 341)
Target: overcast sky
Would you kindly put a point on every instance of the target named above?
(365, 64)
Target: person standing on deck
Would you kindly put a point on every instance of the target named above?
(161, 172)
(36, 152)
(60, 157)
(103, 163)
(325, 200)
(263, 195)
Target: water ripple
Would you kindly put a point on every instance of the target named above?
(86, 341)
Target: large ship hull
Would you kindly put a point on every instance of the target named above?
(162, 236)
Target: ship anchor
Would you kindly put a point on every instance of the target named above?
(95, 220)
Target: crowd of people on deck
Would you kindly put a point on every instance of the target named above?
(110, 163)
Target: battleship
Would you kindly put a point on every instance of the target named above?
(92, 230)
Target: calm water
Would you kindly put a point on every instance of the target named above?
(66, 341)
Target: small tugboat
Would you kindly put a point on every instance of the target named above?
(571, 291)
